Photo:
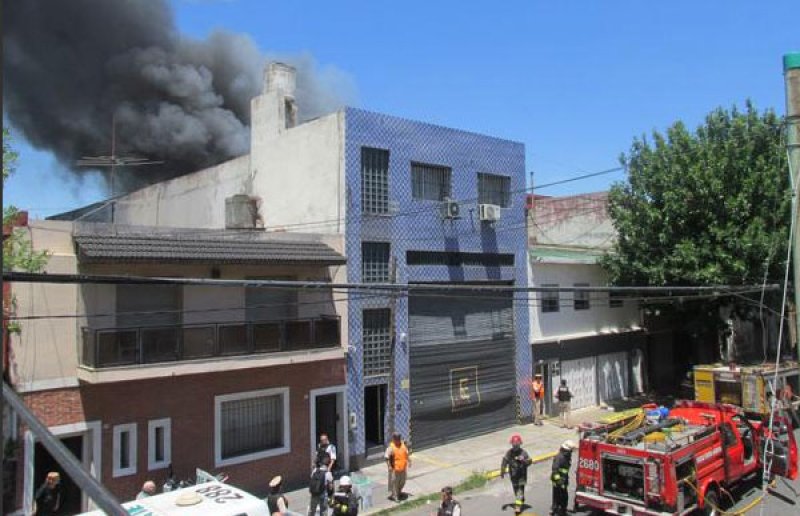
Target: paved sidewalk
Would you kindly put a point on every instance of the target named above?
(452, 463)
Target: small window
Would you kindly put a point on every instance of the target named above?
(251, 425)
(374, 181)
(159, 443)
(124, 448)
(581, 298)
(377, 341)
(550, 299)
(615, 300)
(494, 189)
(430, 182)
(375, 258)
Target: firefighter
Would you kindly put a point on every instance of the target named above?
(517, 461)
(560, 478)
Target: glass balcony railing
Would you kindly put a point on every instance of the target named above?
(109, 347)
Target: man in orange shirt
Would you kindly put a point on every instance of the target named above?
(537, 393)
(398, 459)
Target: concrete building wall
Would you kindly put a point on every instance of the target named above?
(195, 200)
(570, 323)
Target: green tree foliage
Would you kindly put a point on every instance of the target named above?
(708, 207)
(18, 253)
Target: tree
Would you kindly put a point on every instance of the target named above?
(709, 207)
(18, 253)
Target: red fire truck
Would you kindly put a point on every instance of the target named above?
(686, 460)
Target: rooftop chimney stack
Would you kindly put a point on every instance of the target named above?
(275, 110)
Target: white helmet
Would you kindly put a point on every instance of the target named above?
(569, 444)
(345, 482)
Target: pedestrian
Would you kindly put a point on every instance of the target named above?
(516, 461)
(537, 393)
(50, 496)
(277, 504)
(787, 399)
(325, 448)
(449, 506)
(564, 397)
(559, 477)
(398, 460)
(321, 487)
(148, 490)
(345, 501)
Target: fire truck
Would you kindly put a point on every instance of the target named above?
(679, 461)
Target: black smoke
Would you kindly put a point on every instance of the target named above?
(69, 66)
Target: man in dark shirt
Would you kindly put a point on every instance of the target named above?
(559, 477)
(50, 496)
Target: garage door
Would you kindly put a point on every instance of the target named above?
(581, 377)
(462, 366)
(613, 376)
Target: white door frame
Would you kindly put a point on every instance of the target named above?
(343, 450)
(91, 456)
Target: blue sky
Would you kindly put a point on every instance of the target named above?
(574, 80)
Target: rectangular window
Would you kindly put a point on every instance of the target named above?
(550, 299)
(581, 299)
(124, 449)
(251, 425)
(430, 182)
(615, 300)
(494, 189)
(159, 443)
(374, 181)
(375, 258)
(377, 341)
(459, 259)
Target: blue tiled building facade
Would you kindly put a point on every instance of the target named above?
(396, 218)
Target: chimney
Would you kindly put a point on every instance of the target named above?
(280, 81)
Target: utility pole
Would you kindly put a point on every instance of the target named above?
(791, 72)
(393, 340)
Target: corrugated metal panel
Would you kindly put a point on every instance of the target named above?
(461, 366)
(581, 376)
(612, 376)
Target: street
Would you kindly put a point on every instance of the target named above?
(490, 499)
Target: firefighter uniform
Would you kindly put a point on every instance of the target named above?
(559, 477)
(517, 461)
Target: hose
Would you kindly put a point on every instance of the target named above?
(737, 512)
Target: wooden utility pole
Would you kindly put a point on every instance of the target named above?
(393, 340)
(791, 71)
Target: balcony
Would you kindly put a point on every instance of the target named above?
(111, 347)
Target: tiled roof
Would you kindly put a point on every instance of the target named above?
(205, 249)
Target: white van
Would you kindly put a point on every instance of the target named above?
(208, 499)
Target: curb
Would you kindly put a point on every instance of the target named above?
(490, 475)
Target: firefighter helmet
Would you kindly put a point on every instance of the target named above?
(345, 481)
(516, 439)
(569, 444)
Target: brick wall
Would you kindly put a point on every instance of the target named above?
(189, 402)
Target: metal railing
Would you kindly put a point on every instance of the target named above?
(110, 347)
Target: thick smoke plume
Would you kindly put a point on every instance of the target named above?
(70, 66)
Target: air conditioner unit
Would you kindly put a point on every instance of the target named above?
(451, 209)
(489, 212)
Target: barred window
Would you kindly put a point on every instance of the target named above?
(615, 300)
(550, 299)
(251, 425)
(430, 182)
(375, 258)
(374, 180)
(377, 341)
(581, 299)
(494, 189)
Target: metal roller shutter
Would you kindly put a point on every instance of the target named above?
(613, 376)
(462, 365)
(581, 376)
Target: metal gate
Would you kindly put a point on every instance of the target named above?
(612, 376)
(461, 365)
(581, 376)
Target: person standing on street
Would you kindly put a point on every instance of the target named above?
(516, 461)
(398, 460)
(449, 506)
(564, 397)
(325, 448)
(559, 477)
(148, 490)
(537, 393)
(320, 487)
(50, 496)
(345, 501)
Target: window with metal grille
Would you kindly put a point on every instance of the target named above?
(375, 262)
(377, 341)
(458, 259)
(550, 299)
(374, 180)
(581, 298)
(430, 182)
(251, 425)
(615, 300)
(494, 189)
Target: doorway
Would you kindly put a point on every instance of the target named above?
(327, 419)
(374, 417)
(44, 463)
(328, 413)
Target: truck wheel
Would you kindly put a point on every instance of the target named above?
(711, 503)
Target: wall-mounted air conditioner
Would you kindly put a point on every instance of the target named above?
(451, 209)
(489, 212)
